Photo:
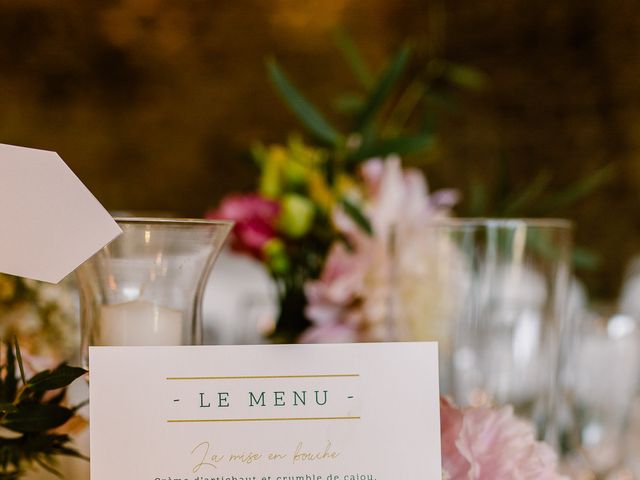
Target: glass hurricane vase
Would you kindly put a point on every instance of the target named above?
(146, 287)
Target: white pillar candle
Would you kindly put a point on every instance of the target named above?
(139, 323)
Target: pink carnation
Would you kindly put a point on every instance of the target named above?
(255, 218)
(485, 443)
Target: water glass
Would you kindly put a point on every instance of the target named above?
(493, 294)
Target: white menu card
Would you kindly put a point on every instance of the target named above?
(268, 412)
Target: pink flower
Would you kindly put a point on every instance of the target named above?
(485, 443)
(335, 301)
(255, 218)
(350, 300)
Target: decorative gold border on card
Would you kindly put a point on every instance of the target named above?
(263, 377)
(281, 419)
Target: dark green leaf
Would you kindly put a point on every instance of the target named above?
(348, 103)
(382, 89)
(36, 417)
(478, 199)
(353, 57)
(306, 112)
(45, 465)
(59, 397)
(584, 259)
(10, 383)
(503, 180)
(440, 101)
(60, 377)
(400, 145)
(464, 76)
(357, 215)
(22, 452)
(7, 407)
(527, 195)
(19, 358)
(407, 104)
(580, 189)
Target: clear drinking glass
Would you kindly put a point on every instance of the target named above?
(603, 377)
(492, 292)
(146, 287)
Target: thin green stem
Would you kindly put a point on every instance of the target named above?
(20, 364)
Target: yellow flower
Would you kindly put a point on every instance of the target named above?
(319, 191)
(298, 169)
(346, 185)
(273, 161)
(304, 155)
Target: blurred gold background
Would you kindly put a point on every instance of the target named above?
(154, 103)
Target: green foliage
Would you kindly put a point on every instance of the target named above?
(31, 409)
(386, 113)
(309, 115)
(538, 199)
(59, 377)
(357, 215)
(394, 111)
(399, 145)
(381, 92)
(353, 58)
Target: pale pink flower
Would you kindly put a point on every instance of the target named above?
(487, 443)
(350, 300)
(255, 220)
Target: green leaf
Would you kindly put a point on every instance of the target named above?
(403, 145)
(21, 453)
(36, 417)
(478, 199)
(19, 358)
(60, 377)
(305, 111)
(348, 103)
(464, 76)
(58, 398)
(584, 259)
(357, 215)
(7, 407)
(528, 195)
(44, 463)
(382, 89)
(10, 383)
(353, 57)
(410, 99)
(582, 188)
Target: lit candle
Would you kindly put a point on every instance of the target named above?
(139, 323)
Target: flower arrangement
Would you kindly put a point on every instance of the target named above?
(328, 248)
(326, 205)
(322, 217)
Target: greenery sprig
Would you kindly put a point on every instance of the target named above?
(397, 111)
(30, 411)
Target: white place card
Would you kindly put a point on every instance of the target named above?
(50, 222)
(268, 412)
